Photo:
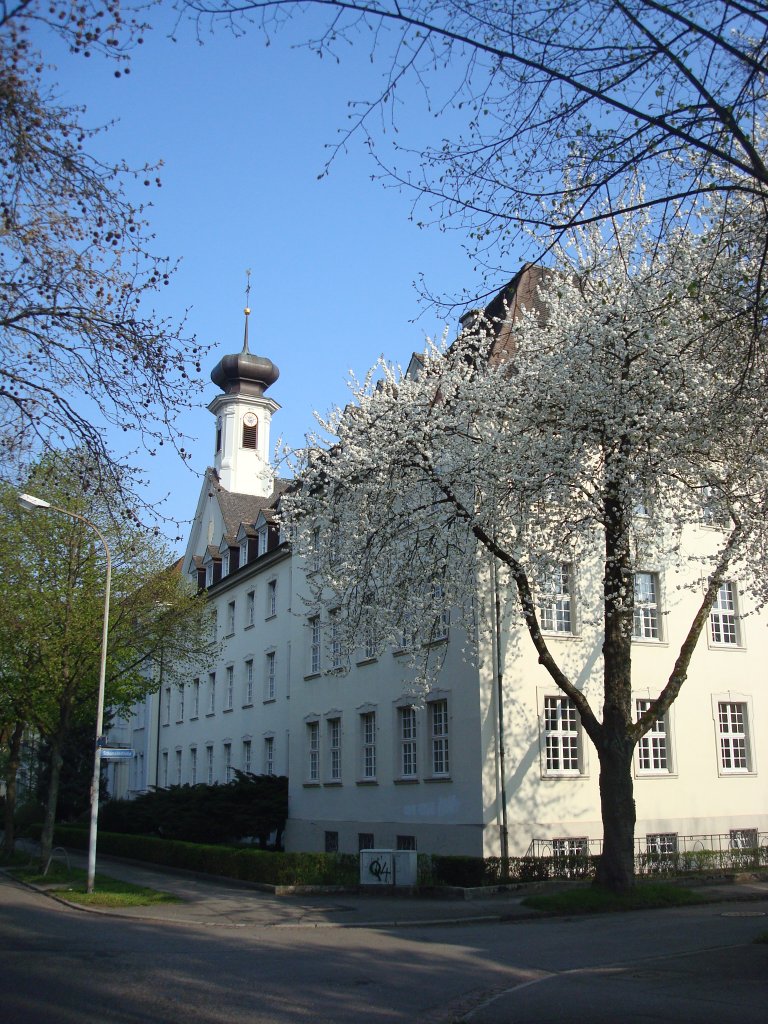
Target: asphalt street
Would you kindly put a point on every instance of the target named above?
(228, 953)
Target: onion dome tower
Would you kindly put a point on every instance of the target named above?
(243, 418)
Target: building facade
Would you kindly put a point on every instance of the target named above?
(493, 759)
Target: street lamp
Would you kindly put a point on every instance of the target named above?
(33, 504)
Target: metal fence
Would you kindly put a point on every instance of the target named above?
(665, 853)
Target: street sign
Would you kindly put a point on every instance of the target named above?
(116, 753)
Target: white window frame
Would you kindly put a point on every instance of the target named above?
(270, 675)
(225, 564)
(178, 767)
(443, 618)
(262, 541)
(313, 751)
(247, 756)
(244, 552)
(315, 645)
(734, 720)
(211, 693)
(209, 763)
(661, 844)
(250, 608)
(368, 745)
(439, 726)
(653, 753)
(334, 626)
(271, 598)
(193, 766)
(229, 687)
(562, 741)
(333, 728)
(231, 608)
(249, 681)
(269, 755)
(195, 698)
(227, 761)
(407, 742)
(167, 706)
(555, 599)
(724, 624)
(180, 705)
(646, 618)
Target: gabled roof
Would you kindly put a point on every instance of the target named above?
(244, 508)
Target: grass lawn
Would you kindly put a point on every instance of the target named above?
(70, 883)
(590, 900)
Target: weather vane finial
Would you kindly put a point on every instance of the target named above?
(247, 309)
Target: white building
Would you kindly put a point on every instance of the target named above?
(477, 762)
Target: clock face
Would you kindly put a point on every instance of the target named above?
(249, 419)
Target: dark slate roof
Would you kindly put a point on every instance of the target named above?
(243, 508)
(504, 309)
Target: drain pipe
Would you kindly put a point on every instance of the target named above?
(504, 836)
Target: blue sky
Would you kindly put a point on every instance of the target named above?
(242, 130)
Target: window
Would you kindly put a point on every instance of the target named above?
(180, 715)
(555, 599)
(195, 698)
(331, 842)
(314, 647)
(442, 619)
(407, 732)
(230, 618)
(165, 769)
(365, 841)
(250, 431)
(405, 843)
(661, 843)
(438, 719)
(335, 639)
(269, 676)
(262, 541)
(368, 730)
(561, 736)
(744, 839)
(723, 618)
(269, 755)
(209, 764)
(246, 755)
(652, 749)
(178, 767)
(313, 751)
(250, 608)
(227, 762)
(225, 564)
(167, 706)
(229, 687)
(314, 561)
(578, 847)
(645, 624)
(193, 765)
(209, 574)
(249, 681)
(369, 642)
(244, 552)
(733, 736)
(211, 692)
(271, 598)
(334, 749)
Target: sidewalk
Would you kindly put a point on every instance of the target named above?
(215, 903)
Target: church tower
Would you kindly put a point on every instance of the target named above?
(243, 418)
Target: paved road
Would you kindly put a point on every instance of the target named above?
(64, 966)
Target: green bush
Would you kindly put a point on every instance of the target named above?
(245, 864)
(248, 806)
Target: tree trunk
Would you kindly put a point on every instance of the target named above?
(12, 768)
(49, 822)
(616, 866)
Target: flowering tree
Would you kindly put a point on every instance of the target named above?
(628, 383)
(81, 350)
(523, 90)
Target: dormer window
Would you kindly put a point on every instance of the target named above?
(250, 430)
(261, 541)
(244, 552)
(209, 574)
(225, 564)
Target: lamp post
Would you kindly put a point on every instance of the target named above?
(33, 504)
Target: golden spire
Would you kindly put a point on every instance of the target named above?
(247, 309)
